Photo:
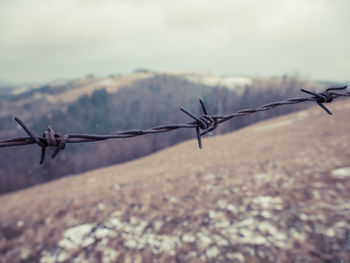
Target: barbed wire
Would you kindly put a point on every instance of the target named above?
(203, 125)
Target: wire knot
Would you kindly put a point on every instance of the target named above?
(60, 145)
(206, 122)
(49, 139)
(55, 140)
(324, 96)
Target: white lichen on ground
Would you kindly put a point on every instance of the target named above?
(227, 233)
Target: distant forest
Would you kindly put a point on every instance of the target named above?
(143, 104)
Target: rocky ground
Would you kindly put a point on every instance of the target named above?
(277, 191)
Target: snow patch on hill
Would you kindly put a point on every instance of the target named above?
(209, 79)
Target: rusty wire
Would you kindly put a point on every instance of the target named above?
(203, 124)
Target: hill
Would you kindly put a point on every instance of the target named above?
(276, 191)
(140, 100)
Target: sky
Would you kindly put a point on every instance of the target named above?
(46, 40)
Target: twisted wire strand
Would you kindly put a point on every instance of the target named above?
(203, 125)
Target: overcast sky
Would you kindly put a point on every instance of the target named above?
(44, 40)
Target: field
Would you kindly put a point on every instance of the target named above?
(276, 191)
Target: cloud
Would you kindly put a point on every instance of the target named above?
(44, 40)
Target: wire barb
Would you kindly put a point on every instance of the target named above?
(206, 122)
(203, 124)
(324, 97)
(31, 135)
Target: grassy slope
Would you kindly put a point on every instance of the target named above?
(265, 191)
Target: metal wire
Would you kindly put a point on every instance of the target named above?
(203, 124)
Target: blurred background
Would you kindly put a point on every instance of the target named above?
(97, 67)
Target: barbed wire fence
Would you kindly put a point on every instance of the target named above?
(203, 125)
